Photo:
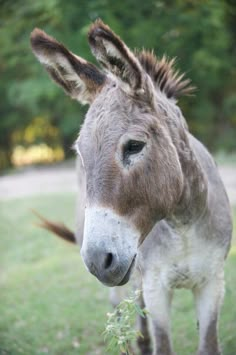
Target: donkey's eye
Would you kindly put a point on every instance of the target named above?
(132, 147)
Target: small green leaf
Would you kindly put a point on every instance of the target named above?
(120, 328)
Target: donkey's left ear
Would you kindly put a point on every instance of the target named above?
(115, 56)
(79, 78)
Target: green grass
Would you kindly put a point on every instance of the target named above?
(49, 303)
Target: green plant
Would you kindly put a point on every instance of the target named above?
(120, 329)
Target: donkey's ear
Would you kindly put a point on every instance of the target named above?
(80, 79)
(114, 55)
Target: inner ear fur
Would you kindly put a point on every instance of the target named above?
(114, 55)
(79, 78)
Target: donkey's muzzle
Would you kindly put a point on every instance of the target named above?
(110, 245)
(108, 267)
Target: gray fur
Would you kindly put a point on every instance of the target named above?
(166, 205)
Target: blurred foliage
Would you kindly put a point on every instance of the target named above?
(200, 33)
(40, 153)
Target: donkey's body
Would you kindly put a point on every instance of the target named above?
(155, 203)
(183, 252)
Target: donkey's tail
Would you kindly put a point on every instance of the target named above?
(57, 228)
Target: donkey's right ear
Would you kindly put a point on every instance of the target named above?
(80, 79)
(115, 56)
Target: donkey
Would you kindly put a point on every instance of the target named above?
(152, 198)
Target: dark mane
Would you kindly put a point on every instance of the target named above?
(164, 76)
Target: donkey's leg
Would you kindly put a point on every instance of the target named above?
(208, 301)
(158, 303)
(144, 342)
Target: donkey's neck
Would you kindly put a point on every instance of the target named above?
(193, 201)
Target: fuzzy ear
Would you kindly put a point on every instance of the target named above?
(80, 79)
(114, 55)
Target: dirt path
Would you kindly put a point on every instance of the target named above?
(62, 178)
(37, 181)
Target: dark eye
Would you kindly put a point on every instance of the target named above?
(132, 147)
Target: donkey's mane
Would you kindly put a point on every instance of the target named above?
(163, 74)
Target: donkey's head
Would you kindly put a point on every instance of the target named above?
(134, 177)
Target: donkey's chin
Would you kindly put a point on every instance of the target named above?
(128, 273)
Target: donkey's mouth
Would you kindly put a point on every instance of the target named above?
(128, 273)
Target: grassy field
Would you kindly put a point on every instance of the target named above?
(49, 303)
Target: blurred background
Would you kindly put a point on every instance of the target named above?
(48, 302)
(38, 124)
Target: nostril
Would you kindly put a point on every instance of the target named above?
(108, 260)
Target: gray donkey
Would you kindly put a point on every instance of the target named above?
(151, 196)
